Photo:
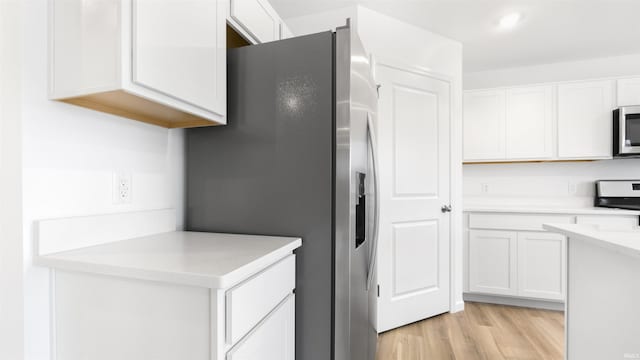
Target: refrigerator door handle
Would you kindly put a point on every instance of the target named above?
(373, 253)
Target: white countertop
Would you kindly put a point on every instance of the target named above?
(625, 241)
(550, 210)
(191, 258)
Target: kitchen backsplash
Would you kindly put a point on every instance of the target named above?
(558, 184)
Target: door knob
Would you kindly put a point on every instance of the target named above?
(446, 208)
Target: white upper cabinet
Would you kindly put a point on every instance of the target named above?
(176, 50)
(585, 120)
(629, 92)
(509, 124)
(256, 19)
(157, 61)
(484, 125)
(530, 123)
(559, 121)
(509, 254)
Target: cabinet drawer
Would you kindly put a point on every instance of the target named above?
(249, 302)
(609, 221)
(527, 222)
(256, 18)
(272, 339)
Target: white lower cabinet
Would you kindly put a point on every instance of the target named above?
(101, 317)
(273, 338)
(541, 265)
(492, 262)
(524, 264)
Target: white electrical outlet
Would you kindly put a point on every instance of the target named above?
(122, 188)
(484, 188)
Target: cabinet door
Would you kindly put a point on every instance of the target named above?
(541, 265)
(629, 92)
(585, 120)
(179, 51)
(492, 262)
(529, 123)
(257, 18)
(484, 125)
(272, 339)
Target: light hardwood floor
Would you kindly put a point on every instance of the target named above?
(481, 331)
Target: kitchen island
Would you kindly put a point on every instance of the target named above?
(603, 298)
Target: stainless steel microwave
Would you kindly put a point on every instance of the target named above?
(626, 131)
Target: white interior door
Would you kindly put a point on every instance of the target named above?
(414, 161)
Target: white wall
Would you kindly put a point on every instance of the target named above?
(70, 154)
(389, 39)
(394, 42)
(11, 276)
(618, 66)
(557, 184)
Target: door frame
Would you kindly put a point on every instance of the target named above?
(456, 303)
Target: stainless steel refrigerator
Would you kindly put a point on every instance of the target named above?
(296, 160)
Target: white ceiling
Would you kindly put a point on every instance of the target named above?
(550, 31)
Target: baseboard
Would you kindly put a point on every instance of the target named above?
(512, 301)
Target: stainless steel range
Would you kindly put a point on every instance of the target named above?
(620, 194)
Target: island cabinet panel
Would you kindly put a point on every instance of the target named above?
(602, 303)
